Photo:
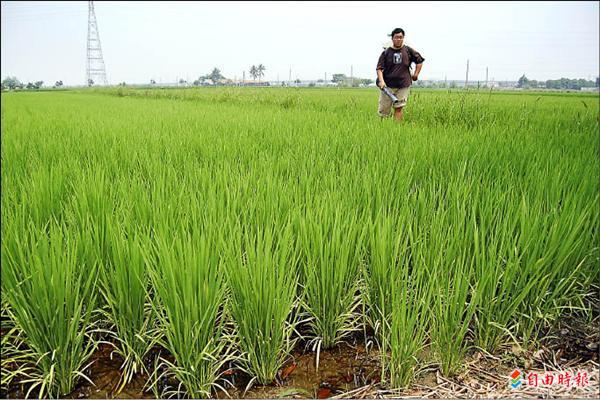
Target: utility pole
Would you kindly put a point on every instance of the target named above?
(445, 80)
(486, 76)
(467, 77)
(95, 70)
(351, 77)
(243, 77)
(290, 79)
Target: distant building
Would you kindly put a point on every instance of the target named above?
(306, 83)
(248, 82)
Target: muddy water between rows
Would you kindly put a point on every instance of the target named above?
(573, 342)
(341, 369)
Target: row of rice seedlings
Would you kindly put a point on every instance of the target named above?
(261, 269)
(494, 263)
(553, 248)
(447, 252)
(387, 258)
(51, 292)
(411, 297)
(529, 257)
(331, 241)
(186, 274)
(124, 285)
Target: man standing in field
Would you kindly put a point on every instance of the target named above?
(394, 71)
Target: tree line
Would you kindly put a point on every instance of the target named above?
(256, 71)
(12, 83)
(562, 83)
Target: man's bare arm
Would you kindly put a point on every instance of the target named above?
(380, 76)
(417, 71)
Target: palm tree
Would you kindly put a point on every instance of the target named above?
(260, 71)
(253, 72)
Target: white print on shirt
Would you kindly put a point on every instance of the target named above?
(397, 58)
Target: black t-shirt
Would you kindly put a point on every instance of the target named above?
(395, 64)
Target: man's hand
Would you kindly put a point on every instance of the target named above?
(415, 77)
(382, 85)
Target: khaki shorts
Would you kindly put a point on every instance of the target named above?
(385, 103)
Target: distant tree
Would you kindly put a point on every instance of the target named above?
(11, 82)
(30, 86)
(260, 71)
(58, 84)
(366, 82)
(152, 82)
(182, 81)
(215, 75)
(38, 84)
(122, 84)
(90, 82)
(337, 78)
(253, 72)
(565, 83)
(298, 81)
(522, 82)
(200, 80)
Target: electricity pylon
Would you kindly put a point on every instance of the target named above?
(95, 72)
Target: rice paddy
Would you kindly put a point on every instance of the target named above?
(229, 226)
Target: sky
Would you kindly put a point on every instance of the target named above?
(166, 41)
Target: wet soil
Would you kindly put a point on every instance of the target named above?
(346, 367)
(340, 370)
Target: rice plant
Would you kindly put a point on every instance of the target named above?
(261, 271)
(124, 285)
(411, 307)
(388, 260)
(454, 301)
(332, 242)
(188, 281)
(15, 357)
(51, 292)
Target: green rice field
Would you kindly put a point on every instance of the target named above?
(203, 231)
